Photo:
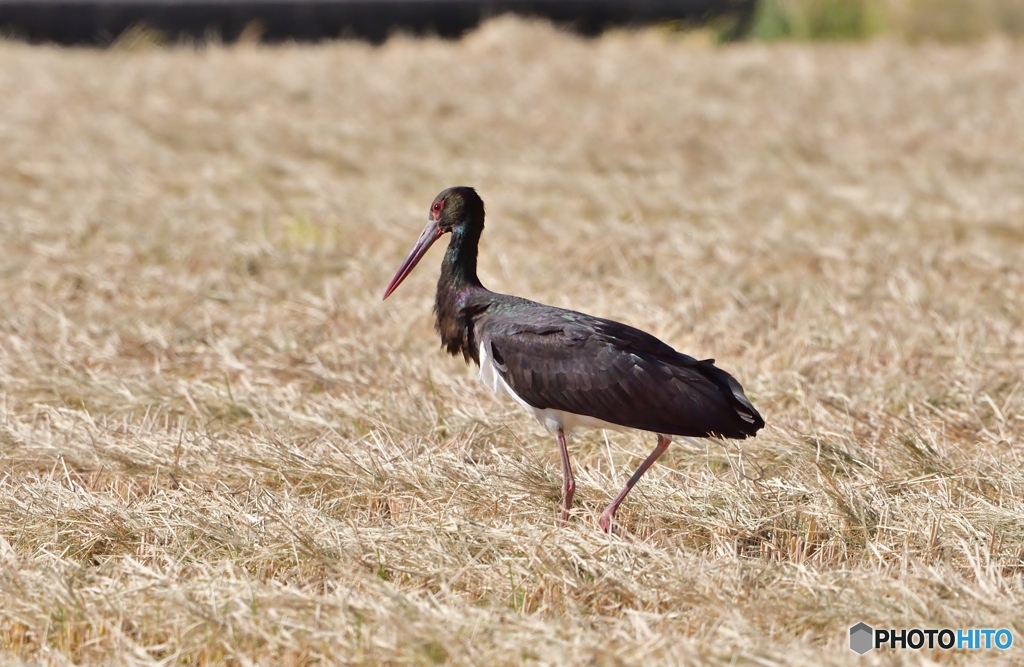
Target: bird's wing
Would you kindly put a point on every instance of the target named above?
(563, 360)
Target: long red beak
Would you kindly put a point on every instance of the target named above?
(430, 234)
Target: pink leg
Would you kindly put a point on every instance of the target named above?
(568, 481)
(609, 512)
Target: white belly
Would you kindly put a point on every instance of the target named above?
(553, 420)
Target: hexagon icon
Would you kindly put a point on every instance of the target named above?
(862, 638)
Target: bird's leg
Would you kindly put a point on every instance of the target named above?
(609, 512)
(568, 481)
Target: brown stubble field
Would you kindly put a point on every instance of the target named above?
(217, 445)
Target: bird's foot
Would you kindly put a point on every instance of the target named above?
(606, 521)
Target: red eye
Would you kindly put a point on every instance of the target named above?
(436, 207)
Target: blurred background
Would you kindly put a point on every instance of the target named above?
(105, 22)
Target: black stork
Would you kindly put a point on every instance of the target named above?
(567, 368)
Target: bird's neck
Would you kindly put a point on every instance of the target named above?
(458, 269)
(457, 284)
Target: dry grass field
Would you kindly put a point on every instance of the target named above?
(218, 446)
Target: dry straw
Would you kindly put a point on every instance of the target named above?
(219, 447)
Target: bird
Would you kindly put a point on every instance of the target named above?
(569, 369)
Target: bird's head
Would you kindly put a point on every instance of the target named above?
(455, 210)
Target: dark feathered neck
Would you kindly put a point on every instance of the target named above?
(459, 266)
(458, 284)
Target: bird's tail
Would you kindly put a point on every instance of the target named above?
(749, 421)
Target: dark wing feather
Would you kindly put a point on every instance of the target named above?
(560, 359)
